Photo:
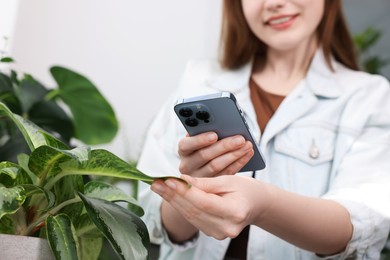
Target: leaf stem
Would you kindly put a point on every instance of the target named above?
(52, 94)
(53, 211)
(52, 181)
(85, 229)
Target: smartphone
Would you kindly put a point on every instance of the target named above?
(219, 113)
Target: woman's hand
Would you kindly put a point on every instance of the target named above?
(221, 207)
(204, 156)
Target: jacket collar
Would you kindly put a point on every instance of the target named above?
(231, 80)
(319, 78)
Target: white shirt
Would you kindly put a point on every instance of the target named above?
(329, 138)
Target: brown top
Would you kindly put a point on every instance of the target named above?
(265, 105)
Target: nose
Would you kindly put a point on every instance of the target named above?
(274, 5)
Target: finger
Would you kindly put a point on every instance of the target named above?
(189, 144)
(193, 200)
(229, 163)
(171, 191)
(184, 193)
(237, 165)
(203, 157)
(178, 195)
(216, 185)
(161, 188)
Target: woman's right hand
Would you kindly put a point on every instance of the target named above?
(204, 155)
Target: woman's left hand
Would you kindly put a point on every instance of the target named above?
(220, 207)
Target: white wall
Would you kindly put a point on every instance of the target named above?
(133, 50)
(8, 10)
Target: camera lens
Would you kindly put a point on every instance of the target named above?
(203, 115)
(186, 112)
(191, 122)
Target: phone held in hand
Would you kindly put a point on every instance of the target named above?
(219, 113)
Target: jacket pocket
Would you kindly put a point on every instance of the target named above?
(312, 145)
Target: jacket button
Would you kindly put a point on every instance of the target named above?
(314, 153)
(156, 233)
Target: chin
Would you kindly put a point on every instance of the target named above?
(285, 44)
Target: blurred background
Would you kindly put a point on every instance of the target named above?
(135, 51)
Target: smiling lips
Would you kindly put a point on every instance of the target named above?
(281, 22)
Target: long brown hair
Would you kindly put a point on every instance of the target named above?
(239, 44)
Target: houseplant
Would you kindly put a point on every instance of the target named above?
(43, 195)
(364, 42)
(72, 110)
(41, 172)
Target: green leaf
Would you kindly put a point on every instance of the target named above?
(29, 131)
(37, 190)
(15, 144)
(5, 83)
(7, 225)
(90, 248)
(104, 163)
(32, 133)
(23, 162)
(45, 113)
(367, 38)
(374, 64)
(11, 199)
(45, 160)
(29, 92)
(12, 174)
(6, 59)
(10, 169)
(126, 232)
(85, 227)
(51, 117)
(61, 236)
(105, 191)
(54, 142)
(66, 188)
(94, 118)
(14, 77)
(90, 238)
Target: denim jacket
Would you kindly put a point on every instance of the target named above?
(329, 138)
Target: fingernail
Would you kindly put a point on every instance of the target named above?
(170, 184)
(158, 188)
(211, 137)
(247, 146)
(238, 140)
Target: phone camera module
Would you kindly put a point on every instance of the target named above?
(186, 112)
(192, 122)
(203, 115)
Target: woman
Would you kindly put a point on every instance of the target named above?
(322, 126)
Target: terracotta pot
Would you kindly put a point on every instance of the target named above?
(23, 247)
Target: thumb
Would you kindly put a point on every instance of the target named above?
(215, 185)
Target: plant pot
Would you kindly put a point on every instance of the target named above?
(23, 247)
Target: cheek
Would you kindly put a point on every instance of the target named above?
(254, 22)
(315, 12)
(252, 10)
